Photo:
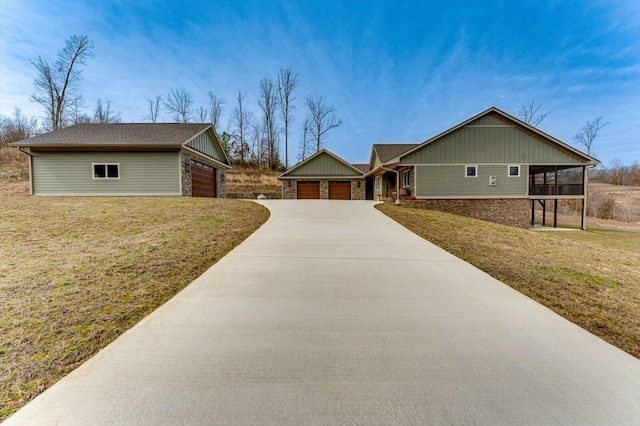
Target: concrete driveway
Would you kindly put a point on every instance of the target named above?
(332, 313)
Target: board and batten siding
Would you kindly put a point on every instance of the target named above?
(490, 139)
(449, 181)
(71, 173)
(324, 165)
(204, 143)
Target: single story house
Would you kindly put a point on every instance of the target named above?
(325, 176)
(491, 166)
(128, 159)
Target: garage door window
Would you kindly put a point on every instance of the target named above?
(106, 170)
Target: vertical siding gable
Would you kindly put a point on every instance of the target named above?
(205, 144)
(71, 173)
(324, 165)
(489, 139)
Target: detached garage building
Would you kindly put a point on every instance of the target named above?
(324, 176)
(128, 159)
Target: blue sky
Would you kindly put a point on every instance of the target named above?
(396, 71)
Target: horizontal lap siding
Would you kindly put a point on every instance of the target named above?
(450, 181)
(140, 173)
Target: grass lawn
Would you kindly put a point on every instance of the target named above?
(592, 277)
(77, 272)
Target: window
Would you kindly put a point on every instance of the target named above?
(406, 178)
(514, 171)
(471, 171)
(377, 183)
(106, 170)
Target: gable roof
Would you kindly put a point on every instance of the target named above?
(118, 134)
(364, 168)
(506, 117)
(291, 173)
(387, 151)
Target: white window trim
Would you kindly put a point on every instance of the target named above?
(470, 165)
(406, 178)
(376, 181)
(93, 174)
(509, 170)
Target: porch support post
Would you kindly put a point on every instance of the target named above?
(544, 212)
(583, 224)
(533, 212)
(555, 213)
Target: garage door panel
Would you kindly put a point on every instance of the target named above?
(340, 190)
(308, 190)
(203, 180)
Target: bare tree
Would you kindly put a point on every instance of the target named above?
(16, 128)
(103, 113)
(267, 100)
(179, 102)
(76, 112)
(589, 132)
(305, 148)
(57, 84)
(216, 105)
(154, 108)
(530, 114)
(240, 120)
(287, 82)
(202, 114)
(322, 119)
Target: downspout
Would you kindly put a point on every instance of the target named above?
(397, 183)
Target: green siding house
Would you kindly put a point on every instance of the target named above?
(324, 175)
(128, 159)
(491, 166)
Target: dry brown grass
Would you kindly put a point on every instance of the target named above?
(14, 172)
(77, 272)
(590, 277)
(244, 181)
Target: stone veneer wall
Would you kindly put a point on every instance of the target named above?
(290, 193)
(507, 211)
(221, 174)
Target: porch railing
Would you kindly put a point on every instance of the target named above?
(552, 189)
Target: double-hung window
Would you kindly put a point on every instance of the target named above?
(377, 182)
(106, 170)
(406, 178)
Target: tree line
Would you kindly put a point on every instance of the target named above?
(248, 138)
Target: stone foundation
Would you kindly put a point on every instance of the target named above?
(507, 211)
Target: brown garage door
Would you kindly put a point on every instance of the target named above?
(308, 190)
(203, 180)
(339, 190)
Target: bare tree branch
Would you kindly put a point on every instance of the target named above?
(216, 105)
(589, 132)
(16, 128)
(180, 103)
(287, 82)
(322, 119)
(154, 108)
(56, 84)
(103, 113)
(530, 114)
(267, 100)
(241, 120)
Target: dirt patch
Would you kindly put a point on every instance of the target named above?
(248, 182)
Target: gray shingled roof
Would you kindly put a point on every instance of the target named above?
(387, 151)
(118, 134)
(364, 168)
